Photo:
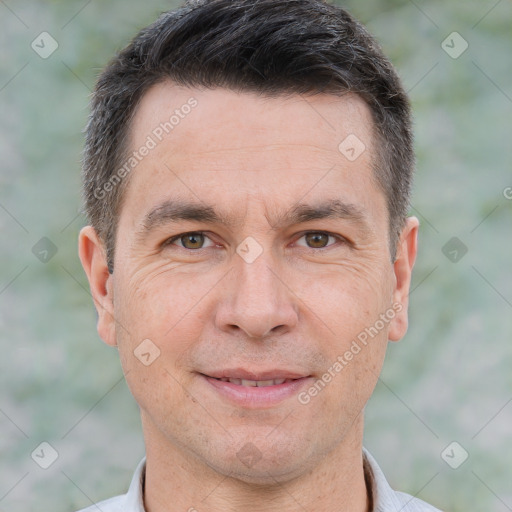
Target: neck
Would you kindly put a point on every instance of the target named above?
(177, 480)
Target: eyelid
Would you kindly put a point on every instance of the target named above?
(337, 237)
(172, 239)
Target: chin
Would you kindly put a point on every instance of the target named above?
(266, 467)
(262, 474)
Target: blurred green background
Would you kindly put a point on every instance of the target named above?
(448, 380)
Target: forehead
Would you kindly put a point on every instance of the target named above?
(228, 146)
(171, 112)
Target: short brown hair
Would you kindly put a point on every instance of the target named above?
(272, 47)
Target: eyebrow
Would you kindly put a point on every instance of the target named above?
(174, 211)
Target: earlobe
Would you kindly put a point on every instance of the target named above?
(94, 261)
(402, 267)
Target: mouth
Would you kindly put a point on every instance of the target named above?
(255, 383)
(255, 390)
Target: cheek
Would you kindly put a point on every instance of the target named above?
(159, 320)
(159, 392)
(161, 303)
(349, 302)
(351, 381)
(348, 298)
(157, 325)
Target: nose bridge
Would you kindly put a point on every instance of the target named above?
(258, 301)
(258, 284)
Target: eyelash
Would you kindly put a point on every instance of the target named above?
(339, 238)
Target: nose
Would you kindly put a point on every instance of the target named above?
(257, 300)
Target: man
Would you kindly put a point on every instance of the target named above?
(247, 174)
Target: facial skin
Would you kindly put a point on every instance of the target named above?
(294, 308)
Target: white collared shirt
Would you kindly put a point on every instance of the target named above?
(385, 499)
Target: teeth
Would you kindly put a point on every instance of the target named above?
(255, 383)
(263, 383)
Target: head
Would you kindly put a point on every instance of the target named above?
(247, 173)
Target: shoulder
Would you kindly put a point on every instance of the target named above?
(409, 503)
(111, 505)
(132, 501)
(386, 499)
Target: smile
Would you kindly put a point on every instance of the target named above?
(260, 391)
(255, 383)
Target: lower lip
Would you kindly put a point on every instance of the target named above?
(253, 396)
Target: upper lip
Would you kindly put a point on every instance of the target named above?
(241, 373)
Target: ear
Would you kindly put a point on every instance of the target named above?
(94, 261)
(406, 256)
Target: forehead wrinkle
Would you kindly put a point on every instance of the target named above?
(323, 209)
(174, 210)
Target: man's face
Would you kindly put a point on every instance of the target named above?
(267, 294)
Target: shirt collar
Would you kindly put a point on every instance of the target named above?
(384, 498)
(134, 501)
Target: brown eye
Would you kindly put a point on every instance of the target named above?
(317, 240)
(194, 240)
